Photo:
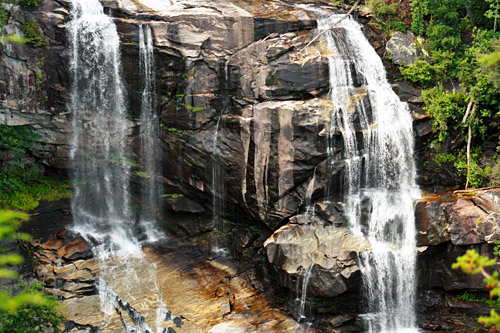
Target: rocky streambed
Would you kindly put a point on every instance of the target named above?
(173, 286)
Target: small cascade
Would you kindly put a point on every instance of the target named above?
(218, 188)
(379, 183)
(309, 193)
(149, 134)
(303, 296)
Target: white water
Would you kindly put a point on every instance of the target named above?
(305, 281)
(101, 172)
(149, 137)
(379, 170)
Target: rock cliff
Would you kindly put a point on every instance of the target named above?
(241, 94)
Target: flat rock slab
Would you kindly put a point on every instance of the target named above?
(177, 291)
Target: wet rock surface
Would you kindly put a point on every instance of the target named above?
(238, 68)
(328, 251)
(174, 286)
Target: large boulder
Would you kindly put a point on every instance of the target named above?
(328, 253)
(401, 48)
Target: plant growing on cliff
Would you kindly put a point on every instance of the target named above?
(421, 73)
(474, 263)
(22, 185)
(16, 139)
(29, 3)
(4, 18)
(33, 34)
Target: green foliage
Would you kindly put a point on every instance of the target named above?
(493, 12)
(32, 317)
(29, 3)
(419, 10)
(421, 73)
(172, 195)
(470, 297)
(17, 139)
(474, 263)
(340, 2)
(9, 222)
(477, 174)
(33, 34)
(386, 15)
(22, 186)
(445, 108)
(496, 248)
(9, 304)
(4, 17)
(23, 191)
(380, 8)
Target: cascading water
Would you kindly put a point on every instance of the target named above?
(149, 133)
(218, 188)
(101, 171)
(379, 173)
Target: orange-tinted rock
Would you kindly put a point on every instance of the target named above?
(52, 244)
(77, 249)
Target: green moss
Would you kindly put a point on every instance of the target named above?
(175, 130)
(142, 174)
(172, 195)
(4, 17)
(273, 80)
(470, 297)
(193, 108)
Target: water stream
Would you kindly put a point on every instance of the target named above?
(380, 173)
(101, 171)
(149, 135)
(379, 186)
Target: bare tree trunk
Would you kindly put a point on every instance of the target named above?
(469, 141)
(469, 138)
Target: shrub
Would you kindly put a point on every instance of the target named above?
(421, 73)
(33, 34)
(32, 317)
(4, 17)
(29, 3)
(17, 139)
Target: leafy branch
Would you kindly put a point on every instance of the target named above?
(474, 263)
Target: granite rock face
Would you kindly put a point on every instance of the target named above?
(402, 49)
(448, 225)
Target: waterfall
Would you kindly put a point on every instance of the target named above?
(379, 187)
(218, 188)
(100, 167)
(149, 133)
